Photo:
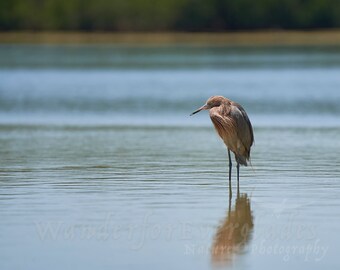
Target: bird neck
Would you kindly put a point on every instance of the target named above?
(224, 108)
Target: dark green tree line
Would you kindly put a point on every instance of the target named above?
(169, 15)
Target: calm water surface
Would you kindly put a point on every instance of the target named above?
(101, 166)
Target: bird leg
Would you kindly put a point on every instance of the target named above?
(238, 177)
(230, 165)
(229, 205)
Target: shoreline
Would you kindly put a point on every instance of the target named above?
(255, 38)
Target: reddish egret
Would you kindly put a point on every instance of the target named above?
(232, 124)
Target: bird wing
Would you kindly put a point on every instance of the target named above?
(244, 127)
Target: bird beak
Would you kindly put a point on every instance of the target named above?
(204, 107)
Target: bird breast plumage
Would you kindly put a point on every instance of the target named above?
(229, 120)
(225, 127)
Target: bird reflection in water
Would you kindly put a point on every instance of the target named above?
(234, 233)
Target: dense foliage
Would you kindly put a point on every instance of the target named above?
(171, 15)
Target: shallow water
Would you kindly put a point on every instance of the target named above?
(101, 166)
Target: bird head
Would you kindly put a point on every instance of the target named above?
(213, 101)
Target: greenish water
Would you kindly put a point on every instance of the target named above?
(101, 166)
